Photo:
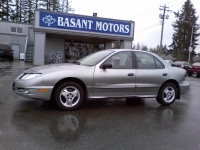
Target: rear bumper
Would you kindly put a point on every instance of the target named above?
(193, 72)
(6, 56)
(184, 87)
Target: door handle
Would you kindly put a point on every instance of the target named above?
(164, 74)
(131, 74)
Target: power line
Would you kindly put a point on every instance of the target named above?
(151, 26)
(152, 10)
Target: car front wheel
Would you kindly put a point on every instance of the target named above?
(69, 96)
(167, 94)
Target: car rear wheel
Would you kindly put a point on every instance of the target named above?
(167, 94)
(11, 59)
(69, 96)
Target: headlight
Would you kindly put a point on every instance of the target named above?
(27, 76)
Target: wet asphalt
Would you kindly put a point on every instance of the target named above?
(142, 124)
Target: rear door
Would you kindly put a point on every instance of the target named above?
(150, 74)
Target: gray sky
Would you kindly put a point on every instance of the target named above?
(145, 13)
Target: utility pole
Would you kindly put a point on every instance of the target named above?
(163, 17)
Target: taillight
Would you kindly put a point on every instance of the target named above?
(9, 51)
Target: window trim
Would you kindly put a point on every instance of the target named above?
(16, 29)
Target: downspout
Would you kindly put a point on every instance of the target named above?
(25, 48)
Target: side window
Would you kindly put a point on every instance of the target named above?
(159, 65)
(121, 60)
(145, 61)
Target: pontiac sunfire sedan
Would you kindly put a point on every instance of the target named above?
(113, 73)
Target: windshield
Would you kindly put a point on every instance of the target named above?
(94, 58)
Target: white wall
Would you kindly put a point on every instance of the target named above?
(5, 27)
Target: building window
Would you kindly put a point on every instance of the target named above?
(19, 30)
(13, 29)
(16, 30)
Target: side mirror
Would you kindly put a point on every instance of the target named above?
(106, 65)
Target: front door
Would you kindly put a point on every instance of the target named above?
(16, 52)
(116, 81)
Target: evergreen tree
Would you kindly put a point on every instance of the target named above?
(28, 7)
(144, 48)
(155, 50)
(65, 6)
(6, 9)
(17, 13)
(51, 5)
(185, 21)
(138, 46)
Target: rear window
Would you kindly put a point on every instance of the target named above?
(4, 47)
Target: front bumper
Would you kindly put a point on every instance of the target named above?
(33, 88)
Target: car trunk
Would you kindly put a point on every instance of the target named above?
(195, 68)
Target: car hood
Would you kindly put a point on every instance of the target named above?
(55, 67)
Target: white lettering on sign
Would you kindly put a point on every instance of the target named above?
(116, 27)
(84, 23)
(60, 21)
(127, 28)
(72, 21)
(111, 25)
(105, 26)
(88, 24)
(78, 23)
(121, 28)
(98, 25)
(67, 22)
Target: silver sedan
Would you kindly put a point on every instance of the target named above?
(113, 73)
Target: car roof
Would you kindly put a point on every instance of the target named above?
(180, 62)
(5, 45)
(196, 64)
(134, 50)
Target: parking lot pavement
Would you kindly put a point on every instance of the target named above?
(8, 72)
(102, 124)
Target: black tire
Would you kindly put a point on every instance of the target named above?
(11, 59)
(167, 89)
(74, 96)
(189, 74)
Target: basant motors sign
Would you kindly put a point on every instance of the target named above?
(68, 22)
